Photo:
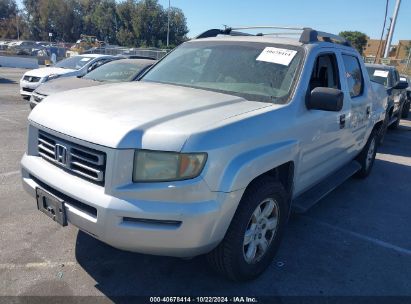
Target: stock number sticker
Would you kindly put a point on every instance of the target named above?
(277, 55)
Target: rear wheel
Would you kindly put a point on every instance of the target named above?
(383, 130)
(367, 156)
(255, 232)
(396, 124)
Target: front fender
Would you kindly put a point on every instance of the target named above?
(246, 166)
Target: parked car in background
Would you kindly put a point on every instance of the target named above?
(389, 77)
(23, 47)
(121, 70)
(73, 66)
(407, 105)
(3, 45)
(210, 150)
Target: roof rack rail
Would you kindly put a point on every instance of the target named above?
(308, 34)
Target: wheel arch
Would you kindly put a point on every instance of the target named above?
(276, 160)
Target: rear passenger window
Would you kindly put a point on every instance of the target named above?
(353, 75)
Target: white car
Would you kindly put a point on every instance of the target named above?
(72, 66)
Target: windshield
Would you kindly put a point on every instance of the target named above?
(378, 75)
(75, 63)
(254, 71)
(116, 71)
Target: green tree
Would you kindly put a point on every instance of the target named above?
(87, 8)
(125, 34)
(32, 9)
(128, 23)
(148, 22)
(178, 27)
(10, 20)
(104, 19)
(356, 38)
(60, 17)
(8, 9)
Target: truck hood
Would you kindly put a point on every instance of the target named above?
(43, 72)
(65, 84)
(138, 114)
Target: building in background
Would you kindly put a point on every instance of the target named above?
(397, 57)
(371, 48)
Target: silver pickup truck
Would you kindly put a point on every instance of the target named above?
(213, 148)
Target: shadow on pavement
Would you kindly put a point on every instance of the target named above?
(318, 259)
(7, 81)
(397, 141)
(121, 273)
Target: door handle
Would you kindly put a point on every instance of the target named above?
(368, 111)
(342, 121)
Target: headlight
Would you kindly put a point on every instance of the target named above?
(155, 166)
(52, 76)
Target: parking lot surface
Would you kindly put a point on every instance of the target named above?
(355, 242)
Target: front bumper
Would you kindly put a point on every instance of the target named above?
(36, 98)
(168, 227)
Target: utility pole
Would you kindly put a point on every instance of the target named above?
(392, 28)
(168, 24)
(18, 30)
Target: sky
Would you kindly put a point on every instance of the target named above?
(331, 16)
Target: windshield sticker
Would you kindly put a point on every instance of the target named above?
(85, 59)
(276, 55)
(379, 73)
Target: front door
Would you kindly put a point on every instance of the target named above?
(324, 132)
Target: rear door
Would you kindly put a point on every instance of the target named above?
(397, 94)
(359, 97)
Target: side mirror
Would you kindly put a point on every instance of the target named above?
(326, 99)
(402, 85)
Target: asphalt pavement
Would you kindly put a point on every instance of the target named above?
(355, 242)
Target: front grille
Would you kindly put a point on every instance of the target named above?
(28, 89)
(87, 163)
(31, 78)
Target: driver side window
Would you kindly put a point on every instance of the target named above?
(325, 73)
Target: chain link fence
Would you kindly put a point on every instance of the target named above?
(402, 65)
(115, 51)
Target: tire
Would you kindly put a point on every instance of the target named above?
(406, 110)
(230, 256)
(396, 124)
(367, 156)
(383, 130)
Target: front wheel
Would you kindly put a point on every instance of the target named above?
(255, 232)
(367, 156)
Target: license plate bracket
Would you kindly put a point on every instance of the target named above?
(52, 206)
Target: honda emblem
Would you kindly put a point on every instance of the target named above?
(60, 154)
